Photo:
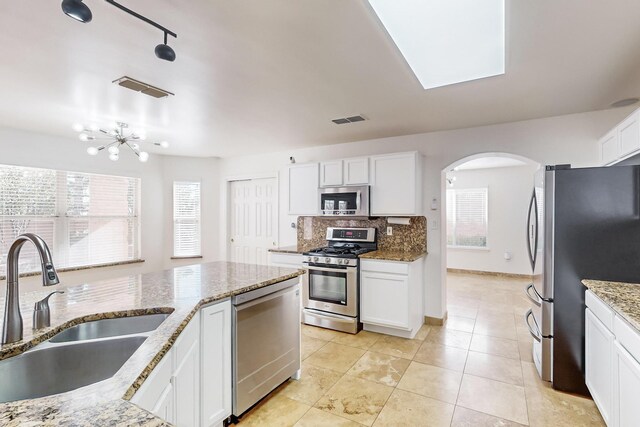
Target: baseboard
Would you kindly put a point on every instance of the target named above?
(490, 273)
(436, 321)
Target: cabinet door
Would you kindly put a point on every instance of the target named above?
(609, 148)
(186, 375)
(394, 184)
(599, 363)
(156, 394)
(384, 299)
(627, 389)
(331, 173)
(356, 171)
(216, 363)
(629, 134)
(303, 189)
(164, 407)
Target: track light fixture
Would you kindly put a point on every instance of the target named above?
(79, 11)
(164, 51)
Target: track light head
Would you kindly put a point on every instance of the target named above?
(77, 10)
(164, 51)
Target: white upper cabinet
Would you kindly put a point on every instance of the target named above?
(331, 173)
(629, 134)
(356, 171)
(609, 147)
(396, 187)
(621, 142)
(303, 189)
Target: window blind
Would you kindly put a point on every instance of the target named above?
(186, 219)
(467, 217)
(86, 219)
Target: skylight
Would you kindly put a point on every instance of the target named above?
(447, 41)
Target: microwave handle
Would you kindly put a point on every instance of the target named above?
(358, 200)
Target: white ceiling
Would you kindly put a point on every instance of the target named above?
(489, 162)
(256, 75)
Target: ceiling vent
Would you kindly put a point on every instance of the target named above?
(345, 120)
(138, 86)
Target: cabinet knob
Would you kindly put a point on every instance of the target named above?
(232, 240)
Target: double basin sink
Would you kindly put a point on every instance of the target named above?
(76, 357)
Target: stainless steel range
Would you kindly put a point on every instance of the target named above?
(331, 290)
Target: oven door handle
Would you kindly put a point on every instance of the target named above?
(332, 270)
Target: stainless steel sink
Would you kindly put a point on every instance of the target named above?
(57, 369)
(105, 328)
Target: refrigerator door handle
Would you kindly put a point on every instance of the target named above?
(535, 334)
(534, 298)
(530, 231)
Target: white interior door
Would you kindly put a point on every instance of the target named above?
(252, 220)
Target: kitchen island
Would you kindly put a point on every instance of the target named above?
(180, 291)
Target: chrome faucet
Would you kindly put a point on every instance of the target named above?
(12, 326)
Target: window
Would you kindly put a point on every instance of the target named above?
(467, 217)
(186, 219)
(86, 219)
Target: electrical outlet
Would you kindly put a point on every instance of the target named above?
(389, 231)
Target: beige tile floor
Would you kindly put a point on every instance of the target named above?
(474, 371)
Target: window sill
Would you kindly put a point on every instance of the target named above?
(80, 268)
(469, 248)
(187, 257)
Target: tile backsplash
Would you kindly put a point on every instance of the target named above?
(413, 237)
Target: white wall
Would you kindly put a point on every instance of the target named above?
(509, 191)
(565, 139)
(157, 175)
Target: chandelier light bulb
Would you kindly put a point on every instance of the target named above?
(83, 137)
(114, 150)
(143, 156)
(94, 127)
(142, 135)
(113, 157)
(78, 127)
(164, 144)
(92, 151)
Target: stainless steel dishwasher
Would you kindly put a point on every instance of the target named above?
(266, 341)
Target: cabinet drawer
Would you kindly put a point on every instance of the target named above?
(385, 267)
(628, 337)
(601, 310)
(289, 260)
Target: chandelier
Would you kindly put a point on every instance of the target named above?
(116, 139)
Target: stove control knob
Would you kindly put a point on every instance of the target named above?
(315, 259)
(339, 261)
(327, 260)
(346, 262)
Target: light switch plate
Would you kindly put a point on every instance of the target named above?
(389, 231)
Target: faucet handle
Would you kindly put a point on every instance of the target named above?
(41, 312)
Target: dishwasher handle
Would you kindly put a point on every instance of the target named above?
(268, 297)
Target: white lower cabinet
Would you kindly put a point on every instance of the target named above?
(599, 343)
(191, 385)
(612, 352)
(391, 297)
(216, 364)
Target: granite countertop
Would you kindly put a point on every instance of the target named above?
(293, 249)
(180, 291)
(394, 255)
(623, 298)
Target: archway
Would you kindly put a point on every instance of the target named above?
(455, 166)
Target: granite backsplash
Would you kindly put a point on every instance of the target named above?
(412, 238)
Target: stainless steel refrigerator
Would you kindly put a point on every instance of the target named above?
(583, 223)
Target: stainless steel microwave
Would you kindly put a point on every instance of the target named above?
(344, 201)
